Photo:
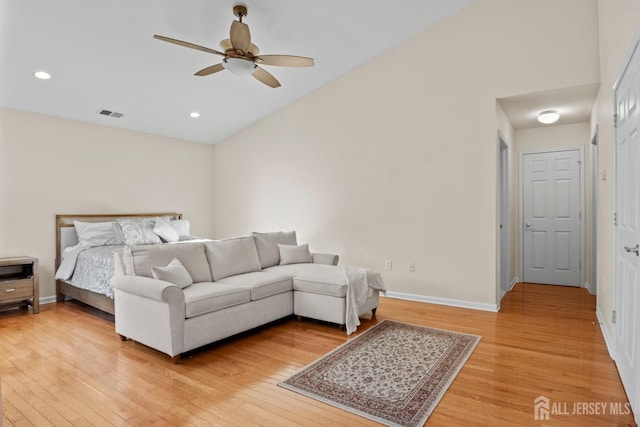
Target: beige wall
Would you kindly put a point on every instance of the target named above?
(618, 23)
(398, 158)
(50, 166)
(552, 137)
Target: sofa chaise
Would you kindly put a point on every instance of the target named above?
(178, 297)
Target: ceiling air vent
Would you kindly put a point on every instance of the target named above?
(110, 114)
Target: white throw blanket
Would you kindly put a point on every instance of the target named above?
(362, 283)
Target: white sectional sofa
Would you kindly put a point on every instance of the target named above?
(238, 284)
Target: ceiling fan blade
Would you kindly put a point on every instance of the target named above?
(240, 36)
(284, 60)
(265, 77)
(210, 70)
(187, 44)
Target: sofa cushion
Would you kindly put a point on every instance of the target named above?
(231, 257)
(315, 278)
(206, 297)
(261, 284)
(190, 254)
(267, 245)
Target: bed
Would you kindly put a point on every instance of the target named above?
(89, 282)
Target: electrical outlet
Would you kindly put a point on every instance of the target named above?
(412, 267)
(387, 264)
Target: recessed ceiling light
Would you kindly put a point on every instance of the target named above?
(195, 114)
(548, 117)
(42, 75)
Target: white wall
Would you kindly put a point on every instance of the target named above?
(619, 20)
(398, 158)
(52, 166)
(551, 137)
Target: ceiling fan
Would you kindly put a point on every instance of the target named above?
(242, 57)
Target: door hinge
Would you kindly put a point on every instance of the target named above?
(615, 120)
(579, 164)
(580, 265)
(613, 317)
(580, 215)
(615, 219)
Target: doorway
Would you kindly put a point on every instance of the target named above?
(551, 228)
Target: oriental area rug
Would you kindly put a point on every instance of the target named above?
(394, 373)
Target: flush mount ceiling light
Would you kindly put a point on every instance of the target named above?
(195, 115)
(42, 75)
(548, 117)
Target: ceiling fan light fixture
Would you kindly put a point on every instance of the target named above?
(548, 117)
(239, 66)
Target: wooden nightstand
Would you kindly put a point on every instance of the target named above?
(19, 282)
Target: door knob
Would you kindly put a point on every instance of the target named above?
(635, 249)
(527, 225)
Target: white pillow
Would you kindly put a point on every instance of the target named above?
(96, 233)
(173, 273)
(138, 231)
(290, 254)
(181, 226)
(164, 229)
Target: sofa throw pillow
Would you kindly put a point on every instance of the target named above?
(138, 231)
(290, 254)
(173, 273)
(96, 233)
(232, 256)
(164, 229)
(267, 245)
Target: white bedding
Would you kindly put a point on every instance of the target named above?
(89, 267)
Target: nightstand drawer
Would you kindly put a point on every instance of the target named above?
(16, 289)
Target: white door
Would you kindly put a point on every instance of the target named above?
(627, 228)
(551, 217)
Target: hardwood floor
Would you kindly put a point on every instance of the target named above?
(66, 366)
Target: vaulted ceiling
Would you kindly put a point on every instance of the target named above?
(102, 55)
